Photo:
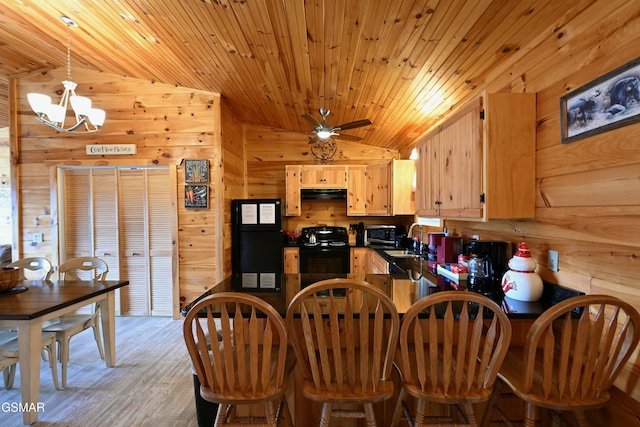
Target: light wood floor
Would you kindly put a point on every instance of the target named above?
(151, 384)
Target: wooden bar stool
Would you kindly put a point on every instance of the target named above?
(572, 355)
(248, 364)
(452, 344)
(344, 333)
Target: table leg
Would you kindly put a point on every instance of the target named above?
(108, 316)
(29, 347)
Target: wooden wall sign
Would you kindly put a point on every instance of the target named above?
(110, 149)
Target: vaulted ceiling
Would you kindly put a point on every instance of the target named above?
(400, 63)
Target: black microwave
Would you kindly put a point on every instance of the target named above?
(382, 235)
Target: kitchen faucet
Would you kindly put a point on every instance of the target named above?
(418, 250)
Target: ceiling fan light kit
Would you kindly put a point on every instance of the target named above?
(323, 146)
(54, 114)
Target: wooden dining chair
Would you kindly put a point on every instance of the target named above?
(248, 364)
(8, 368)
(452, 344)
(34, 268)
(68, 325)
(344, 333)
(571, 357)
(9, 355)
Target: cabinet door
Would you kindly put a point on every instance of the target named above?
(404, 196)
(378, 264)
(334, 176)
(292, 206)
(360, 260)
(291, 260)
(311, 176)
(314, 176)
(378, 191)
(357, 191)
(461, 165)
(428, 176)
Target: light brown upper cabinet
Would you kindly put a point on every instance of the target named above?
(323, 176)
(480, 163)
(378, 189)
(404, 196)
(356, 190)
(384, 189)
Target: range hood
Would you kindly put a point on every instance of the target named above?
(323, 193)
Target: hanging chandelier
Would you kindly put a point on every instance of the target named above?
(88, 120)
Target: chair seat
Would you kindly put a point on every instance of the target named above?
(9, 344)
(347, 394)
(69, 322)
(511, 374)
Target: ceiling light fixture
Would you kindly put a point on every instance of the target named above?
(54, 114)
(323, 134)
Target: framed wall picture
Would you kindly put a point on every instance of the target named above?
(196, 196)
(196, 171)
(608, 102)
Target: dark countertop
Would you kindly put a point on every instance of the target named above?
(403, 290)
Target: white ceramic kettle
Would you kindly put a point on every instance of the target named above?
(521, 282)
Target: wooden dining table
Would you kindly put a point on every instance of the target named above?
(33, 302)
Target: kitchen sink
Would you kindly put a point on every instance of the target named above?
(400, 253)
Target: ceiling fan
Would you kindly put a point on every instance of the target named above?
(324, 130)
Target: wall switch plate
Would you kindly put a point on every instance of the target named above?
(37, 238)
(552, 261)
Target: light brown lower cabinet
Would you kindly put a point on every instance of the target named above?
(291, 260)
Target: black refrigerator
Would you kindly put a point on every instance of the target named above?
(256, 243)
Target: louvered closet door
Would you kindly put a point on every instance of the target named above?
(160, 240)
(105, 219)
(89, 218)
(123, 216)
(146, 222)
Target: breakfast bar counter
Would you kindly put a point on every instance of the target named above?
(403, 290)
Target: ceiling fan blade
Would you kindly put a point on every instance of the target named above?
(314, 139)
(311, 119)
(347, 137)
(353, 125)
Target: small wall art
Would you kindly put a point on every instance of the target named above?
(196, 196)
(608, 102)
(196, 171)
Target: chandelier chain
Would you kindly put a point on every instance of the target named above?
(68, 52)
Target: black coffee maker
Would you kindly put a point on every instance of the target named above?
(488, 263)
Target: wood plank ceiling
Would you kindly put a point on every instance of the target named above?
(400, 63)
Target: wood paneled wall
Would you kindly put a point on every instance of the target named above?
(166, 123)
(234, 175)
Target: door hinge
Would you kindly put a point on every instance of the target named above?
(481, 114)
(482, 198)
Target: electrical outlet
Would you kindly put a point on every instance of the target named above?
(552, 261)
(37, 238)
